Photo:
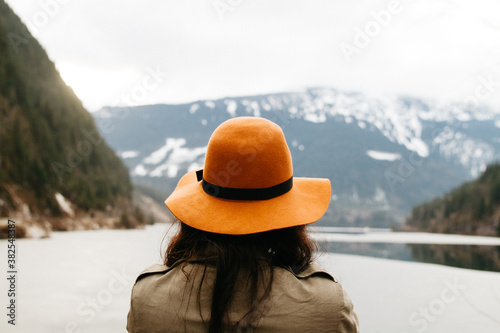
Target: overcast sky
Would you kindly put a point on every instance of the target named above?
(123, 52)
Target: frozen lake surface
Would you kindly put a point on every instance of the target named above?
(81, 281)
(403, 237)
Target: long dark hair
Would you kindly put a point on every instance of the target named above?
(256, 253)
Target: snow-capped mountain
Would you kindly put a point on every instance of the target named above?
(384, 154)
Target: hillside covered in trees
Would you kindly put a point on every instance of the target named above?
(472, 209)
(53, 161)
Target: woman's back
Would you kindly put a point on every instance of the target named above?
(170, 300)
(242, 259)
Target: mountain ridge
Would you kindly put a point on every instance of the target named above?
(383, 155)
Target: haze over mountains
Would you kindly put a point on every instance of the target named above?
(384, 154)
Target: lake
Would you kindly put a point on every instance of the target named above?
(80, 281)
(473, 252)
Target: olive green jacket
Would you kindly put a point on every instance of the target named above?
(166, 300)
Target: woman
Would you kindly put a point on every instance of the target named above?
(242, 259)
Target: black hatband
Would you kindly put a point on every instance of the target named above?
(244, 193)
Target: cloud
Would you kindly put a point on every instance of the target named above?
(436, 49)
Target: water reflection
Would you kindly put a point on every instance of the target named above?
(465, 256)
(378, 250)
(485, 258)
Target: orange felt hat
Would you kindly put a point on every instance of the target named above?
(247, 185)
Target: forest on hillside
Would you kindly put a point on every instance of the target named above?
(49, 143)
(472, 208)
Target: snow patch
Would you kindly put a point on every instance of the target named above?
(252, 107)
(231, 107)
(169, 159)
(315, 118)
(266, 106)
(458, 147)
(382, 155)
(140, 170)
(64, 204)
(380, 196)
(195, 166)
(129, 154)
(179, 157)
(160, 154)
(210, 104)
(194, 108)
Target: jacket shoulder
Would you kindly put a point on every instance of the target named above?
(314, 269)
(321, 296)
(153, 269)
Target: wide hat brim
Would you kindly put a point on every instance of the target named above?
(305, 203)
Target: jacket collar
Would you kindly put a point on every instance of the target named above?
(312, 269)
